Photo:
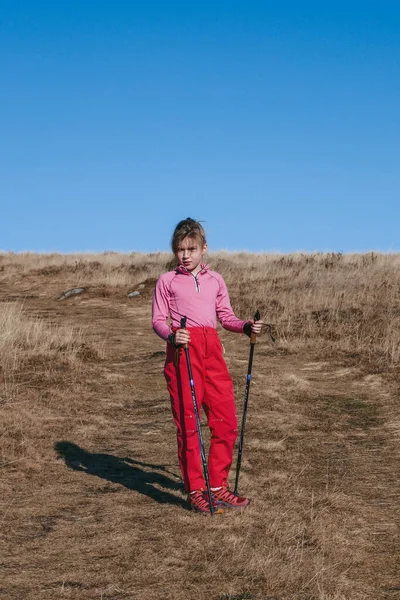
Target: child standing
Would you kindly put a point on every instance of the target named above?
(194, 291)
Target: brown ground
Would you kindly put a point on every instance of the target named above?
(91, 500)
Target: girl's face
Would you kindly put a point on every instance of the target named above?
(189, 254)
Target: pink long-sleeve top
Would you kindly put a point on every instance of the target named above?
(202, 299)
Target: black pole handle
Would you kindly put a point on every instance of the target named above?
(183, 322)
(253, 336)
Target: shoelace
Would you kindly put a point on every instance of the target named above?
(226, 495)
(200, 501)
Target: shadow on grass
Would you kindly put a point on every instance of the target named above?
(132, 474)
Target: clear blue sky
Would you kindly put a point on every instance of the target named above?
(277, 123)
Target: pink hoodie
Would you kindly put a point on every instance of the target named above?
(202, 299)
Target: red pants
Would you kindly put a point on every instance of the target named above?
(214, 391)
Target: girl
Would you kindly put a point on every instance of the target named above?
(194, 291)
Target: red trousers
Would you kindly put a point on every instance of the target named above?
(214, 391)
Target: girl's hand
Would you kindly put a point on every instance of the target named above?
(182, 337)
(256, 326)
(253, 327)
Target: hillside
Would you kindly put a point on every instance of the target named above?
(91, 499)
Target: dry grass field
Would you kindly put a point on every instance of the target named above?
(91, 502)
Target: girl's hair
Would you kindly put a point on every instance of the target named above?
(187, 227)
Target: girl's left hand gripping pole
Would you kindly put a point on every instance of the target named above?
(196, 413)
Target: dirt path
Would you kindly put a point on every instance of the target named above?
(92, 506)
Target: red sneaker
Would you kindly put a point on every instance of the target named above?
(224, 497)
(198, 501)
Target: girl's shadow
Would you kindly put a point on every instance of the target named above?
(130, 473)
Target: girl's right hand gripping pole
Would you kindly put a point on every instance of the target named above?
(253, 339)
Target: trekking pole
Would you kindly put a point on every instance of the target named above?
(253, 338)
(196, 412)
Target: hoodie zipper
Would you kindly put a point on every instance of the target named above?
(196, 282)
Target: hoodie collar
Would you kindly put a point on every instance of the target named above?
(182, 269)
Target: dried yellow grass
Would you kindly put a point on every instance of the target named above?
(91, 504)
(21, 336)
(348, 303)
